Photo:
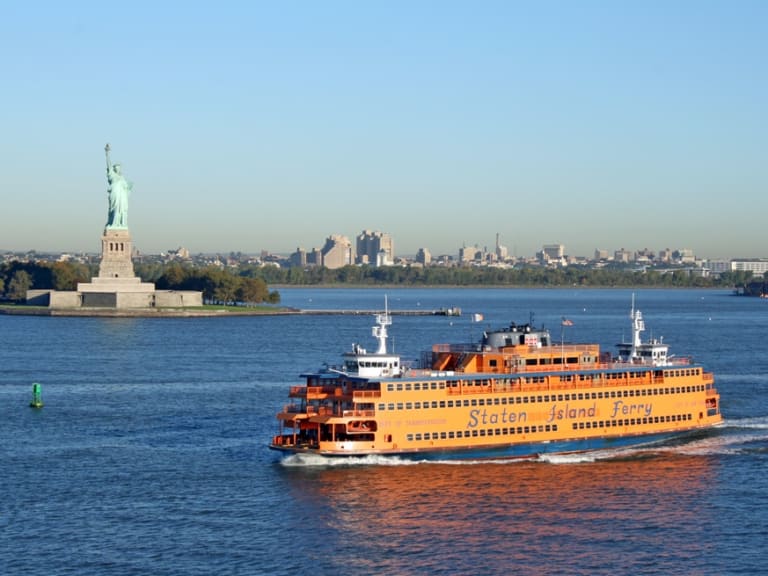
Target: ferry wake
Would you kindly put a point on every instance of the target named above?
(515, 393)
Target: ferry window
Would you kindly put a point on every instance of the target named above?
(554, 427)
(390, 387)
(417, 386)
(381, 407)
(539, 399)
(525, 399)
(559, 397)
(631, 392)
(589, 424)
(474, 402)
(482, 432)
(466, 402)
(417, 405)
(655, 419)
(443, 435)
(451, 435)
(504, 400)
(547, 428)
(442, 385)
(505, 431)
(519, 400)
(581, 425)
(492, 363)
(391, 406)
(519, 429)
(409, 437)
(497, 401)
(481, 402)
(399, 405)
(568, 397)
(575, 426)
(434, 436)
(418, 436)
(450, 403)
(474, 433)
(442, 403)
(409, 406)
(399, 387)
(434, 385)
(434, 403)
(527, 429)
(599, 394)
(408, 386)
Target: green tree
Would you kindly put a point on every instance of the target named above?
(21, 281)
(252, 291)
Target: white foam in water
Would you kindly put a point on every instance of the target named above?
(308, 460)
(759, 423)
(574, 458)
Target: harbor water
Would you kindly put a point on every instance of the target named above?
(149, 455)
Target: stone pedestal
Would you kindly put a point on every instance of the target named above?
(116, 254)
(116, 285)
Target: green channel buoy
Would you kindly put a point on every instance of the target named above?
(37, 401)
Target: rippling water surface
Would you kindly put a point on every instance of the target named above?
(150, 455)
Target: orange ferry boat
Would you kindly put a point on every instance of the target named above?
(513, 394)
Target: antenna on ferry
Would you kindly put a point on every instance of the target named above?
(637, 326)
(380, 331)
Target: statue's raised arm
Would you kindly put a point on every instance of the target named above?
(118, 192)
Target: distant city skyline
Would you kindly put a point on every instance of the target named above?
(261, 126)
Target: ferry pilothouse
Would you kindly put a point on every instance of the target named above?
(514, 393)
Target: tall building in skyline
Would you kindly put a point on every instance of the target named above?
(501, 251)
(375, 248)
(337, 252)
(424, 257)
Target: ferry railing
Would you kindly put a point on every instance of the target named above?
(518, 385)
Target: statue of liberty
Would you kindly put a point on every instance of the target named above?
(119, 190)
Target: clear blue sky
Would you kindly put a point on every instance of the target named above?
(270, 125)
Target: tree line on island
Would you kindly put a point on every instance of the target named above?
(219, 286)
(248, 284)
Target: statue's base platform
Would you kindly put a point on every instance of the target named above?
(115, 285)
(117, 293)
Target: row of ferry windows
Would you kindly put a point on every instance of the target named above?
(482, 432)
(545, 428)
(408, 386)
(632, 421)
(541, 398)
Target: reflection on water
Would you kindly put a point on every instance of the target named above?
(631, 515)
